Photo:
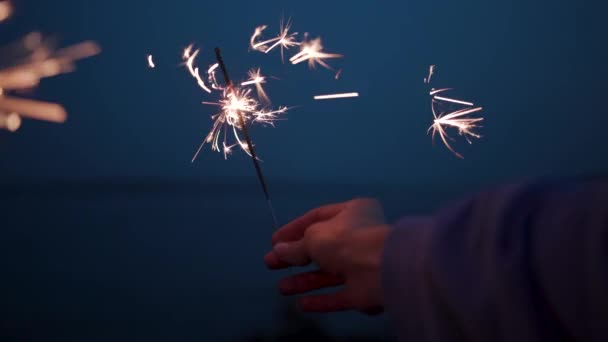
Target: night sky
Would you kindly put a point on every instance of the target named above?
(107, 214)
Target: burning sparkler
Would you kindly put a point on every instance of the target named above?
(458, 119)
(32, 59)
(236, 104)
(243, 126)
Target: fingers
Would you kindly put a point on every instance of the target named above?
(293, 253)
(308, 281)
(295, 229)
(273, 262)
(339, 301)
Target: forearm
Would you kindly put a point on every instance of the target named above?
(517, 263)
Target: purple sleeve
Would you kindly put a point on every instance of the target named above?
(520, 263)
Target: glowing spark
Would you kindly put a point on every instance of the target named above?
(6, 9)
(37, 110)
(189, 56)
(311, 51)
(338, 74)
(431, 72)
(268, 117)
(40, 61)
(211, 77)
(213, 68)
(456, 119)
(437, 91)
(235, 102)
(253, 41)
(335, 96)
(285, 39)
(151, 64)
(447, 99)
(255, 77)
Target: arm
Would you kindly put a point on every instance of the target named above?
(514, 264)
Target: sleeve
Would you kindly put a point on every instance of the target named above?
(519, 263)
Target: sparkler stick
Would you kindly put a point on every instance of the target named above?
(250, 148)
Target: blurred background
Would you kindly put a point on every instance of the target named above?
(108, 232)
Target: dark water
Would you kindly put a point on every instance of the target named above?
(160, 261)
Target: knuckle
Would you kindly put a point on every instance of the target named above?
(319, 240)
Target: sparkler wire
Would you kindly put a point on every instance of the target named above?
(256, 163)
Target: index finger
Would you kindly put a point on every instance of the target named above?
(295, 229)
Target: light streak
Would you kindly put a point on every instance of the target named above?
(335, 96)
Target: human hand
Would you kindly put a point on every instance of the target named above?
(345, 240)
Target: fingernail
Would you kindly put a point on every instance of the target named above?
(281, 248)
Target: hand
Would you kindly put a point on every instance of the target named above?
(345, 241)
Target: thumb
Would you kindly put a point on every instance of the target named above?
(293, 253)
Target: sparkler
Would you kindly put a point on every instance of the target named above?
(245, 103)
(458, 119)
(24, 64)
(237, 105)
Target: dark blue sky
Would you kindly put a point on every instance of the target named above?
(536, 67)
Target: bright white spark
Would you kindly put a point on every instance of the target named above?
(254, 44)
(256, 78)
(447, 99)
(285, 39)
(338, 74)
(212, 78)
(189, 56)
(457, 119)
(437, 91)
(431, 73)
(151, 64)
(235, 102)
(312, 51)
(335, 96)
